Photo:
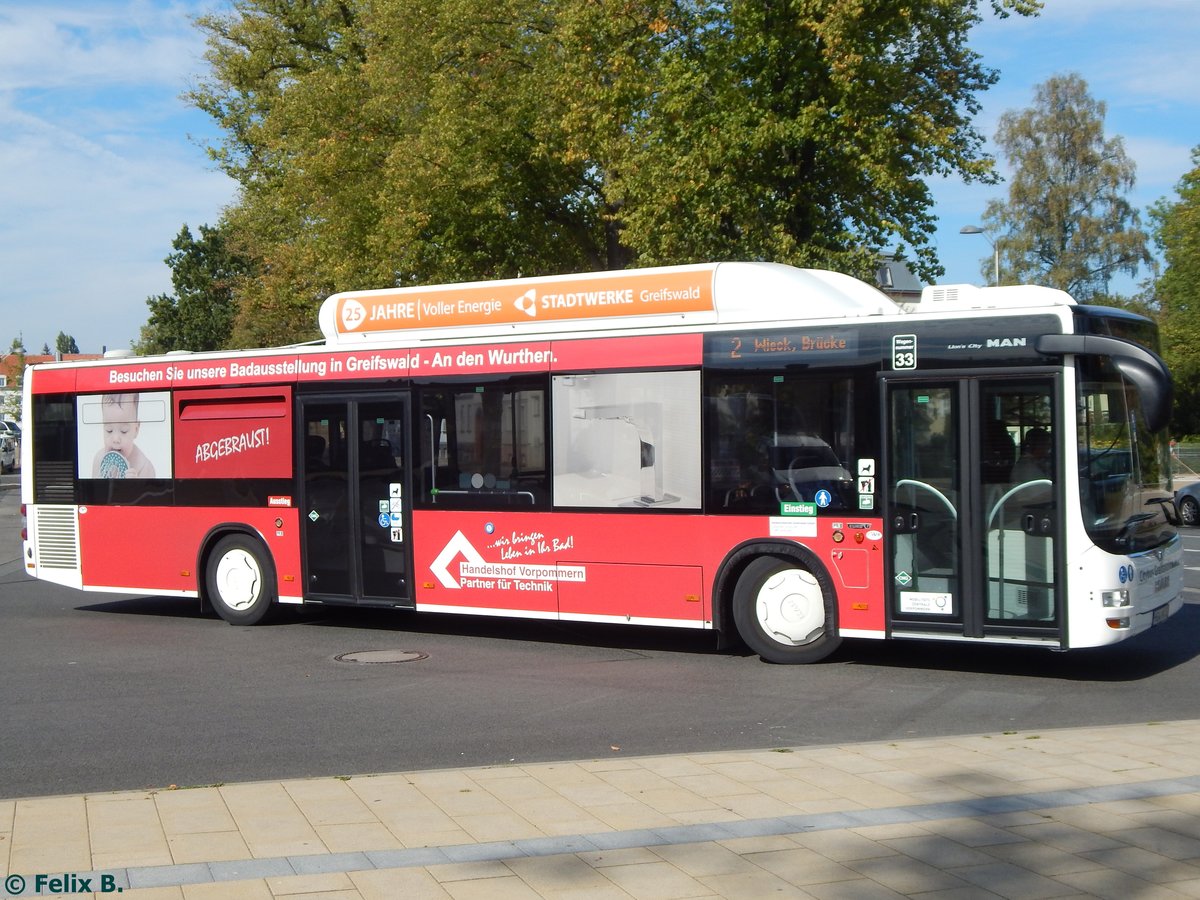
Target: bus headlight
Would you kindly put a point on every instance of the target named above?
(1112, 599)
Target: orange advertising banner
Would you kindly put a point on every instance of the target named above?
(606, 295)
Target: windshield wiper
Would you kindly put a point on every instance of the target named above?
(1135, 519)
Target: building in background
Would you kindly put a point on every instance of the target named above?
(12, 367)
(893, 277)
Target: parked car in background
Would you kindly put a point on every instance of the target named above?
(1187, 498)
(10, 445)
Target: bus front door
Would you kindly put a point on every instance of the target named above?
(972, 507)
(355, 499)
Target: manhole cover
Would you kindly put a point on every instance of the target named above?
(380, 657)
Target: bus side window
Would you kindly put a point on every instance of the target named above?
(627, 440)
(483, 446)
(775, 439)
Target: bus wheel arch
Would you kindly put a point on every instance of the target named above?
(237, 577)
(782, 602)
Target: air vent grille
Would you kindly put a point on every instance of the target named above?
(57, 537)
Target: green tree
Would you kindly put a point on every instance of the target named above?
(395, 142)
(64, 343)
(1067, 222)
(15, 375)
(200, 314)
(798, 132)
(1177, 234)
(389, 143)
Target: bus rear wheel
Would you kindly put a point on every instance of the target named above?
(784, 612)
(240, 580)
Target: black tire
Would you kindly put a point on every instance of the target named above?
(239, 579)
(785, 612)
(1189, 511)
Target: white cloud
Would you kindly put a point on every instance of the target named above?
(1160, 163)
(99, 172)
(87, 230)
(1130, 54)
(1139, 59)
(55, 45)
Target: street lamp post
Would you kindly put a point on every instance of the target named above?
(975, 229)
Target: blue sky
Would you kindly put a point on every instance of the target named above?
(102, 163)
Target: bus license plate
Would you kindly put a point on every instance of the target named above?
(1160, 614)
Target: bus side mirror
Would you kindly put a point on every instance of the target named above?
(1144, 369)
(1170, 510)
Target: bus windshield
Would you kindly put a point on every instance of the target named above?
(1124, 480)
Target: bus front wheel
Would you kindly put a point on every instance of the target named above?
(240, 580)
(784, 612)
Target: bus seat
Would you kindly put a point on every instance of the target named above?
(314, 453)
(999, 453)
(376, 454)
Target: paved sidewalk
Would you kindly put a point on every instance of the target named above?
(1082, 812)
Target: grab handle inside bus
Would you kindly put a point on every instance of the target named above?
(433, 491)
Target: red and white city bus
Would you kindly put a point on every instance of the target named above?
(776, 454)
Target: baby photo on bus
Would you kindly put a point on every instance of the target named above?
(125, 435)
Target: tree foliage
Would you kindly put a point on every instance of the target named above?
(200, 314)
(15, 375)
(1067, 222)
(1177, 234)
(389, 142)
(799, 132)
(64, 343)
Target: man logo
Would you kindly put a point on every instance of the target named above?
(353, 314)
(527, 303)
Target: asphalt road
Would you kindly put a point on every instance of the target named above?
(107, 692)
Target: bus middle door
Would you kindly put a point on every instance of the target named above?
(355, 499)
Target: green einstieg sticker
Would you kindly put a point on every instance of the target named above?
(798, 509)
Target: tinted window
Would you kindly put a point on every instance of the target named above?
(54, 449)
(783, 438)
(483, 445)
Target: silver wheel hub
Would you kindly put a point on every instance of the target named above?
(791, 607)
(239, 580)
